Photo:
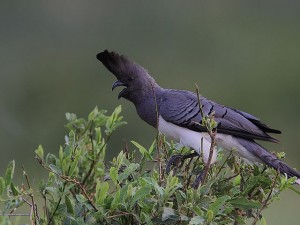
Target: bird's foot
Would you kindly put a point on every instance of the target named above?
(198, 180)
(178, 160)
(174, 160)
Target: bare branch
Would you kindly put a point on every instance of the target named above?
(265, 203)
(33, 205)
(211, 133)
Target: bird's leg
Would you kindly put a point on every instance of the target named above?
(176, 159)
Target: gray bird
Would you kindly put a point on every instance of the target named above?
(176, 114)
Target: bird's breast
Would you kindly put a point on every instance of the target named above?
(201, 141)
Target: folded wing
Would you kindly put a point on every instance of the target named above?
(181, 108)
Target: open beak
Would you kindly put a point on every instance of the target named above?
(118, 84)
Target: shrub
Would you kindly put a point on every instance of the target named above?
(83, 188)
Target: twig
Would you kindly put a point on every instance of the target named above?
(33, 205)
(74, 181)
(94, 160)
(228, 178)
(220, 169)
(45, 208)
(211, 151)
(266, 201)
(25, 200)
(126, 151)
(118, 215)
(15, 214)
(194, 166)
(157, 137)
(60, 198)
(212, 135)
(56, 207)
(71, 180)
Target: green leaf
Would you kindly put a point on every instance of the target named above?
(129, 191)
(143, 150)
(55, 170)
(5, 220)
(116, 201)
(152, 148)
(263, 221)
(205, 201)
(245, 204)
(81, 198)
(237, 180)
(40, 152)
(114, 121)
(210, 215)
(69, 205)
(204, 189)
(197, 210)
(118, 162)
(98, 135)
(178, 199)
(214, 207)
(113, 173)
(14, 189)
(196, 220)
(256, 181)
(184, 218)
(123, 194)
(142, 192)
(153, 183)
(71, 116)
(2, 186)
(101, 192)
(128, 171)
(9, 173)
(146, 218)
(51, 191)
(169, 214)
(93, 114)
(74, 164)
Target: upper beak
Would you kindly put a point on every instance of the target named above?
(120, 83)
(117, 84)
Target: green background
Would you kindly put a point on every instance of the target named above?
(244, 54)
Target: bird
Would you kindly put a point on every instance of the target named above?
(177, 115)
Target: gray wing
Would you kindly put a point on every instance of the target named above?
(181, 108)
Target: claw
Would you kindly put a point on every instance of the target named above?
(198, 180)
(177, 159)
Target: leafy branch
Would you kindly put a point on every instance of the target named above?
(82, 187)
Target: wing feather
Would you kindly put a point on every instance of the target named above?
(182, 109)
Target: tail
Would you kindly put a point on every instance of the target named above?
(269, 159)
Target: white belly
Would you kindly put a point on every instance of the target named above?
(193, 140)
(188, 138)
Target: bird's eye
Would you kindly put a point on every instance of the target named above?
(130, 78)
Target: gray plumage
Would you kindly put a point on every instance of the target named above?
(169, 109)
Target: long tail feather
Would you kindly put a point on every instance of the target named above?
(269, 159)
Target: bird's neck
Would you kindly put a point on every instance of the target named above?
(148, 107)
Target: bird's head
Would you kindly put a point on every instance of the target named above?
(133, 77)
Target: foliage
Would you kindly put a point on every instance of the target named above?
(82, 188)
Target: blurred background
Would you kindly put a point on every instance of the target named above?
(244, 54)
